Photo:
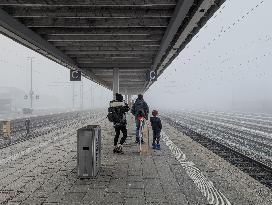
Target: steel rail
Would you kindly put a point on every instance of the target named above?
(42, 125)
(256, 169)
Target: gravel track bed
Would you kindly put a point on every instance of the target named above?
(41, 125)
(248, 141)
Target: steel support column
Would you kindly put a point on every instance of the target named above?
(129, 101)
(115, 82)
(126, 97)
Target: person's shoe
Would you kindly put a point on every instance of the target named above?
(120, 149)
(115, 149)
(158, 147)
(153, 146)
(137, 141)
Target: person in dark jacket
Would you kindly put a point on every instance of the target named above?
(139, 109)
(119, 123)
(156, 127)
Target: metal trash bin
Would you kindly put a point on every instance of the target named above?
(88, 151)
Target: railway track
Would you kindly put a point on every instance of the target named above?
(255, 168)
(249, 141)
(41, 125)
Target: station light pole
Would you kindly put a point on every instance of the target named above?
(81, 96)
(73, 95)
(31, 92)
(92, 100)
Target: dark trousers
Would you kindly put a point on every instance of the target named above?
(117, 134)
(156, 136)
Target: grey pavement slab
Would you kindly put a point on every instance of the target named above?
(49, 175)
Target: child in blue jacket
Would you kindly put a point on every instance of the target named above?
(156, 127)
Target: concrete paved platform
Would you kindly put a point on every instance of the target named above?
(43, 171)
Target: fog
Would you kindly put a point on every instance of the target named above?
(51, 81)
(227, 66)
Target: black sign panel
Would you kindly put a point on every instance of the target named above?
(151, 75)
(75, 75)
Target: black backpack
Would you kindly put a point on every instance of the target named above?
(113, 115)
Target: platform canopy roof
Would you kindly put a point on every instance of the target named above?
(96, 36)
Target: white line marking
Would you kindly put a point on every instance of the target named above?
(204, 185)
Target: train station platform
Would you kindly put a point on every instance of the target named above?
(43, 170)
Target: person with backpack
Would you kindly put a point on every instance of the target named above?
(139, 109)
(117, 115)
(156, 127)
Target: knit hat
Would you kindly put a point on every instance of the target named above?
(155, 113)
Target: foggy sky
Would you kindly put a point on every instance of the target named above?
(234, 69)
(51, 81)
(216, 70)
